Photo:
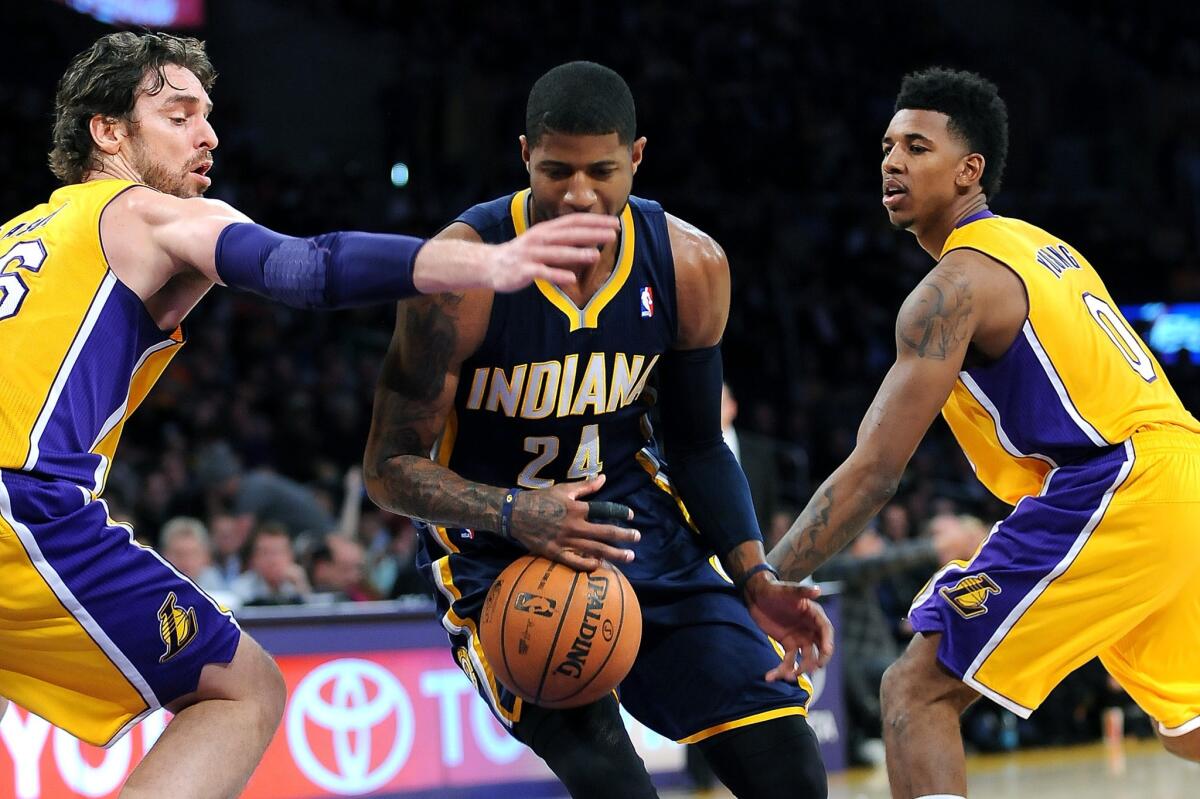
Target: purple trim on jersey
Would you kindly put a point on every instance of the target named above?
(1031, 410)
(97, 386)
(1023, 554)
(975, 217)
(121, 585)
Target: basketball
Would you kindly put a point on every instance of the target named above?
(557, 637)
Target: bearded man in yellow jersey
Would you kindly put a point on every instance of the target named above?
(96, 631)
(1063, 413)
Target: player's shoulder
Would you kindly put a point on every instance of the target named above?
(647, 208)
(701, 284)
(966, 274)
(693, 250)
(488, 219)
(153, 207)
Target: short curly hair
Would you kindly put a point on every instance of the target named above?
(580, 98)
(977, 113)
(105, 79)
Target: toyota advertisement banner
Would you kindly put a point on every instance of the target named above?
(356, 723)
(376, 706)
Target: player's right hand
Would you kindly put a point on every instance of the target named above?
(539, 254)
(554, 523)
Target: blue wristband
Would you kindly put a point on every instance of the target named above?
(506, 509)
(741, 582)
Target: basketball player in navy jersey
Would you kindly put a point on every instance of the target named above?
(535, 408)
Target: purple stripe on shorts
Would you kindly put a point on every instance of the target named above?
(1025, 552)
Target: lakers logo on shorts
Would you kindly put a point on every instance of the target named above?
(537, 605)
(176, 626)
(969, 595)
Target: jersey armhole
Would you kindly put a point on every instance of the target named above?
(665, 255)
(1016, 272)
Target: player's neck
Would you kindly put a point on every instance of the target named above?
(932, 237)
(588, 279)
(113, 167)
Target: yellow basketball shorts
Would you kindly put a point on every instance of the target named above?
(1105, 562)
(96, 631)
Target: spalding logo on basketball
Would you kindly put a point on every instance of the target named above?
(557, 637)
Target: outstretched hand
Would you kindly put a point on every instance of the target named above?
(789, 613)
(539, 254)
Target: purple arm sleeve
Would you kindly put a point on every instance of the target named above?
(333, 270)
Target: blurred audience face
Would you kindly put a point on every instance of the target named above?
(868, 544)
(229, 534)
(729, 407)
(894, 522)
(186, 545)
(956, 537)
(188, 554)
(345, 570)
(781, 522)
(348, 562)
(272, 557)
(588, 173)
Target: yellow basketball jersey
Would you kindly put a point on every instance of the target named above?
(1076, 379)
(78, 350)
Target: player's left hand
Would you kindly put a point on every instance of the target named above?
(789, 613)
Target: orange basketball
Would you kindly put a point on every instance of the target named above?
(557, 637)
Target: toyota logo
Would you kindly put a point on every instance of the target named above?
(345, 707)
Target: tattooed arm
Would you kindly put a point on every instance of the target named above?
(966, 299)
(415, 395)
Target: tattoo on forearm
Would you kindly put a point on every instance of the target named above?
(742, 558)
(408, 421)
(832, 518)
(802, 540)
(429, 491)
(933, 321)
(418, 372)
(735, 564)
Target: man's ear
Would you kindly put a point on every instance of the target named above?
(970, 170)
(108, 132)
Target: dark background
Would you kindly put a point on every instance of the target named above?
(763, 121)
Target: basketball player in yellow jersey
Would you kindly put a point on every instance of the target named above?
(1064, 413)
(96, 631)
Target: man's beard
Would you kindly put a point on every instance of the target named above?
(159, 177)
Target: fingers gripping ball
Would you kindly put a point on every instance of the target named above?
(557, 637)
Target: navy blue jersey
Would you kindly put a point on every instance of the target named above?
(555, 392)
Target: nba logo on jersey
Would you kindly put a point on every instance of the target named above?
(647, 302)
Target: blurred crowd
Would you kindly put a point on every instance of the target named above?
(763, 119)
